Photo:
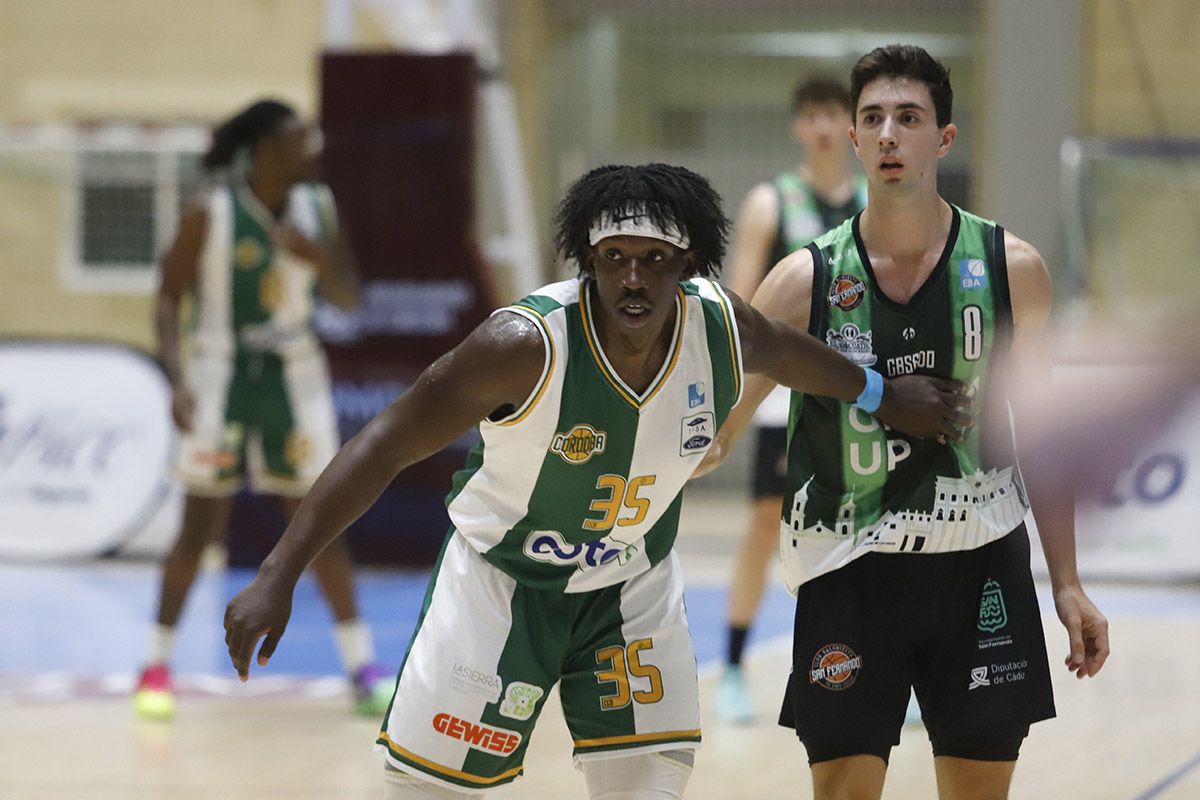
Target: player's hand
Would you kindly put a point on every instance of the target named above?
(924, 406)
(288, 237)
(1086, 627)
(261, 609)
(183, 407)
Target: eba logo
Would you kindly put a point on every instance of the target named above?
(972, 273)
(836, 667)
(579, 444)
(846, 292)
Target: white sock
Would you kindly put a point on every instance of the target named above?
(354, 644)
(162, 641)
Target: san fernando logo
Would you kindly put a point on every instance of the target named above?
(836, 667)
(846, 292)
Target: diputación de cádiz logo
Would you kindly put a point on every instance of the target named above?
(578, 444)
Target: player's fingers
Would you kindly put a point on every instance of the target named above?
(240, 643)
(268, 647)
(954, 410)
(1075, 632)
(1099, 650)
(241, 659)
(955, 390)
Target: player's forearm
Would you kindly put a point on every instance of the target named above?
(1055, 516)
(166, 325)
(810, 366)
(337, 280)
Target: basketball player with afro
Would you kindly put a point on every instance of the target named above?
(595, 399)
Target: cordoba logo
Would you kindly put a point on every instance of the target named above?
(579, 444)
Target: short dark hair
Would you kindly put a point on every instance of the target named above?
(818, 91)
(671, 196)
(905, 61)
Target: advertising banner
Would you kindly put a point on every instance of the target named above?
(85, 448)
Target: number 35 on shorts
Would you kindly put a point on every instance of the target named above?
(621, 665)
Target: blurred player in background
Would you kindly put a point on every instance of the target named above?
(776, 219)
(910, 559)
(595, 399)
(252, 401)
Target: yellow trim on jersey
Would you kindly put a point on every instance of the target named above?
(637, 738)
(601, 360)
(681, 303)
(735, 349)
(438, 769)
(536, 395)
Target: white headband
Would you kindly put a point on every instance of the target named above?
(635, 223)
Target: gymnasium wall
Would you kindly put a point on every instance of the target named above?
(103, 60)
(1144, 212)
(127, 59)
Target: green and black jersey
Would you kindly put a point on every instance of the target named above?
(855, 486)
(804, 215)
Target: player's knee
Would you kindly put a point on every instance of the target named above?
(644, 776)
(398, 785)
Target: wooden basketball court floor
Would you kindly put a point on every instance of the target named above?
(71, 638)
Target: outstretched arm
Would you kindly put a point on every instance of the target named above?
(1053, 503)
(918, 405)
(457, 391)
(775, 343)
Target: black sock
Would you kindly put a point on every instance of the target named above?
(737, 642)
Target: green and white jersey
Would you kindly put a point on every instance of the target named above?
(253, 297)
(854, 486)
(581, 486)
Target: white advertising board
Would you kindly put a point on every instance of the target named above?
(85, 447)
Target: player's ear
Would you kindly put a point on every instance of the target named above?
(689, 264)
(588, 267)
(949, 134)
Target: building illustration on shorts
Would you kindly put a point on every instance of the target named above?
(966, 512)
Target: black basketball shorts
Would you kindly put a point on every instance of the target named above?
(963, 629)
(770, 463)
